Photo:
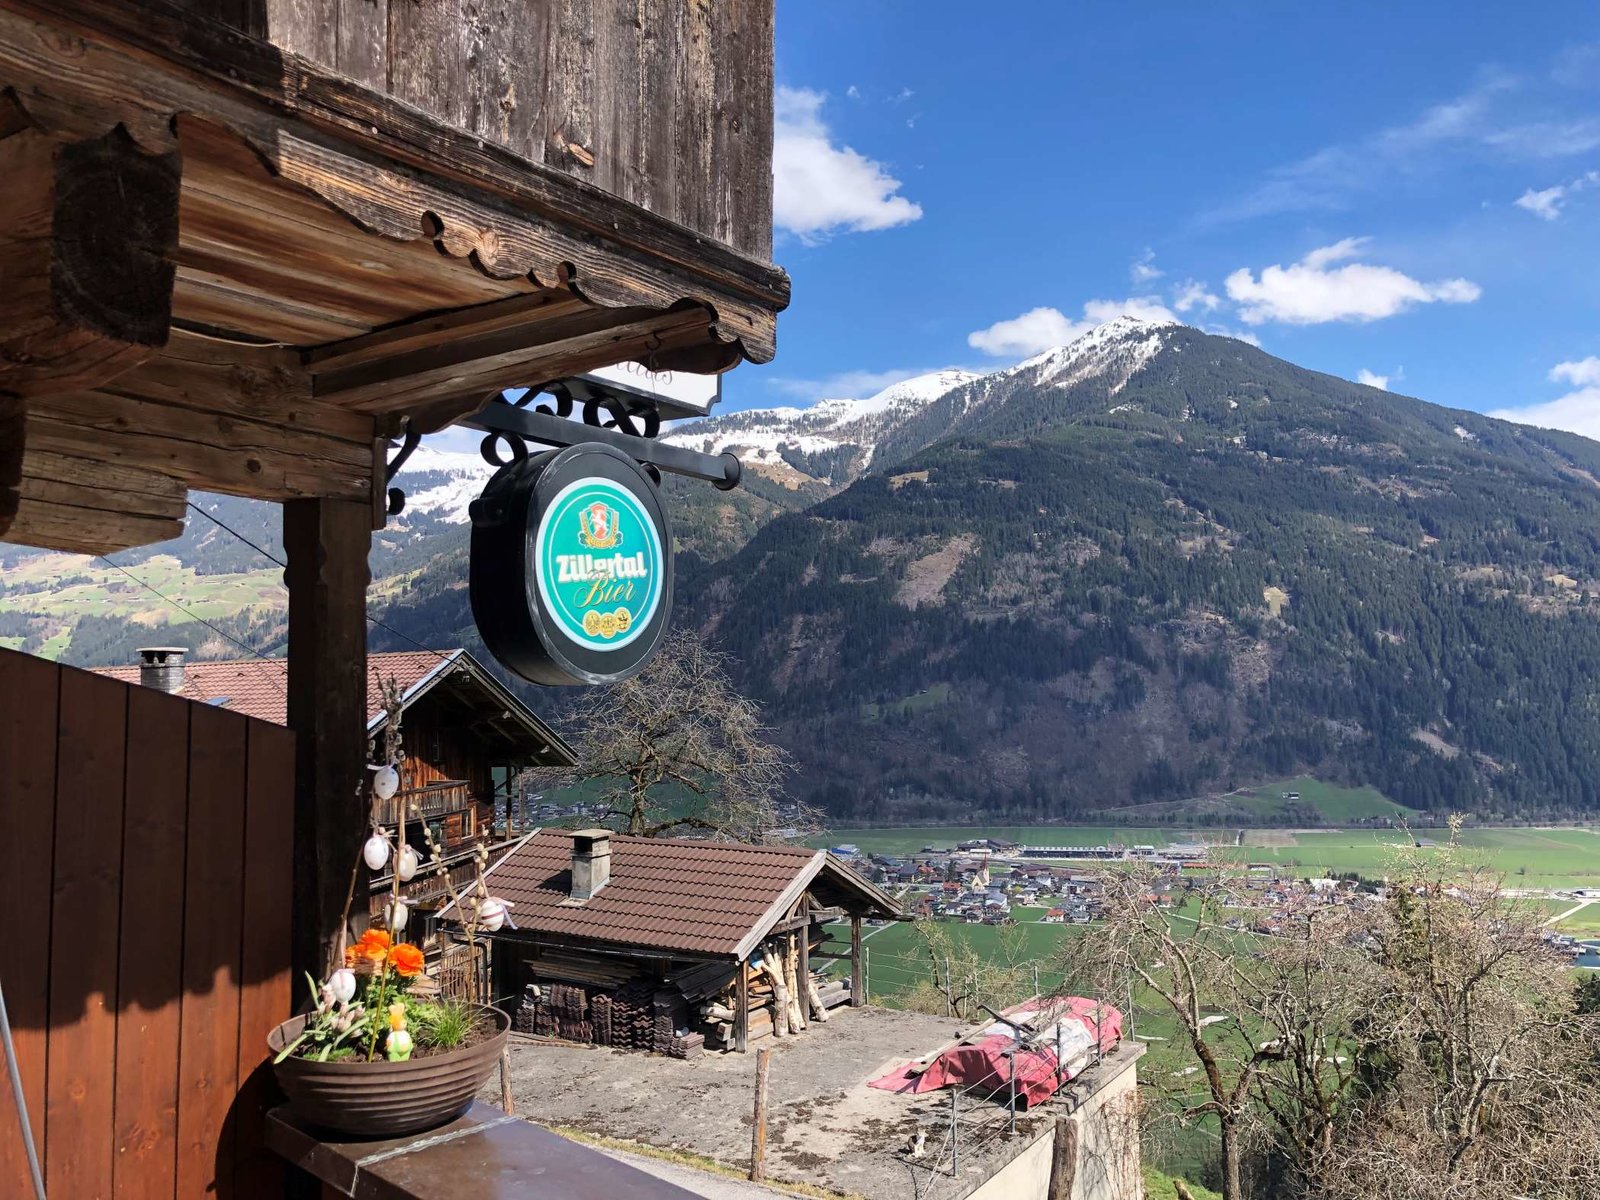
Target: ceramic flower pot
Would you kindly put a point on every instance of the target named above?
(386, 1099)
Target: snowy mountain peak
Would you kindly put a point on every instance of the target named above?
(774, 438)
(1119, 348)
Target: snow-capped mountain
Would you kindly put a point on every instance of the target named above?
(441, 484)
(1118, 349)
(834, 441)
(831, 441)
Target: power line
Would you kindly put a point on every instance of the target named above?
(384, 625)
(250, 650)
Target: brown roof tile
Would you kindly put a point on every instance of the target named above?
(690, 897)
(259, 687)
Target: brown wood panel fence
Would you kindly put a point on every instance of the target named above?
(146, 853)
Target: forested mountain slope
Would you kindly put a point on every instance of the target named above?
(1177, 564)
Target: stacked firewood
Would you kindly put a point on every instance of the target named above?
(782, 999)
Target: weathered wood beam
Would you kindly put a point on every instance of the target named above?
(532, 353)
(13, 423)
(427, 332)
(326, 543)
(741, 1009)
(88, 507)
(87, 233)
(856, 975)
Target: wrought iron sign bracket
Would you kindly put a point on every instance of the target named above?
(515, 423)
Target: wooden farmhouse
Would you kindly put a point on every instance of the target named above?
(466, 738)
(260, 249)
(668, 945)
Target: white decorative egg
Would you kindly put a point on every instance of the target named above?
(405, 864)
(342, 983)
(491, 914)
(397, 913)
(376, 852)
(385, 782)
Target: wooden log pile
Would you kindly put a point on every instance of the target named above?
(781, 1002)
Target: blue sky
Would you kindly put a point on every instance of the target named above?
(1407, 190)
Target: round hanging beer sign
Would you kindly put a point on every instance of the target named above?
(571, 570)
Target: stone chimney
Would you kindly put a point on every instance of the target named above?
(591, 862)
(161, 667)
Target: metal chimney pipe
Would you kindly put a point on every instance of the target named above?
(591, 862)
(161, 667)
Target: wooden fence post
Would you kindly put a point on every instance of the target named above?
(758, 1130)
(1064, 1159)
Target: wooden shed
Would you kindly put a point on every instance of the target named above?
(641, 942)
(247, 247)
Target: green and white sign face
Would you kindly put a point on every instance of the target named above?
(598, 563)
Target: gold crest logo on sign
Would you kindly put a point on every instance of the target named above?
(598, 528)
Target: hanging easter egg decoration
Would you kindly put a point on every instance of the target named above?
(385, 782)
(491, 913)
(397, 912)
(405, 864)
(342, 983)
(376, 852)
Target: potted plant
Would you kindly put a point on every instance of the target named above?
(375, 1056)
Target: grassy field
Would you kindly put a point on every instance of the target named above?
(1334, 804)
(1529, 858)
(52, 590)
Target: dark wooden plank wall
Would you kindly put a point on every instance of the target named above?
(436, 749)
(145, 868)
(666, 103)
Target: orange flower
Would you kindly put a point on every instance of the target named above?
(406, 959)
(373, 946)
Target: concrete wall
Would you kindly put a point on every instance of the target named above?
(1103, 1105)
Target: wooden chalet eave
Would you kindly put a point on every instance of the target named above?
(228, 268)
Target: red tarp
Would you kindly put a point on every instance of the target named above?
(1065, 1032)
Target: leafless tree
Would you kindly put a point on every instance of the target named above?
(677, 748)
(1481, 1072)
(1261, 1019)
(1422, 1043)
(961, 978)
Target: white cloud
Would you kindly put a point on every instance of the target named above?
(1371, 379)
(1143, 269)
(1033, 332)
(821, 188)
(1041, 329)
(1141, 308)
(1583, 372)
(853, 92)
(1577, 412)
(1548, 203)
(1499, 119)
(1191, 293)
(1314, 290)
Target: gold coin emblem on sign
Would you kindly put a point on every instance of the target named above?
(624, 620)
(591, 623)
(608, 625)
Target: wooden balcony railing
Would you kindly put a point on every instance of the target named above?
(425, 803)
